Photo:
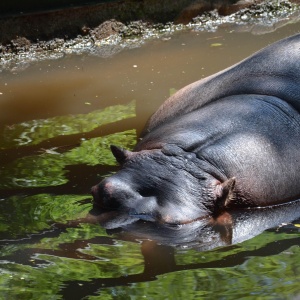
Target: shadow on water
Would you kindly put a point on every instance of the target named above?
(57, 120)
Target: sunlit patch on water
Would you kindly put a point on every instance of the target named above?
(34, 132)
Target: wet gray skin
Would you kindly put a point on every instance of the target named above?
(229, 140)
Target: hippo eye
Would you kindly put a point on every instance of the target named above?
(146, 192)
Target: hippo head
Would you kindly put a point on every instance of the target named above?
(164, 185)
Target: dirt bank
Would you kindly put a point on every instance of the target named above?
(113, 35)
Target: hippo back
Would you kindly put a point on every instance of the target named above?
(273, 71)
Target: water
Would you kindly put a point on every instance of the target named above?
(57, 120)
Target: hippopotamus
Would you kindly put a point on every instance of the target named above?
(229, 141)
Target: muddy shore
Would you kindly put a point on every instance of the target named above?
(17, 51)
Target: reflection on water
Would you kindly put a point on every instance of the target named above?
(49, 167)
(228, 228)
(36, 131)
(57, 120)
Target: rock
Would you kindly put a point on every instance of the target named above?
(107, 29)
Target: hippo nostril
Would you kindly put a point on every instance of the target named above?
(114, 194)
(103, 198)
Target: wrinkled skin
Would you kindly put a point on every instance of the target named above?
(229, 140)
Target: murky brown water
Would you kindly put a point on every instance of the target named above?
(80, 85)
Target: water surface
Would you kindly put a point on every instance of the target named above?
(57, 120)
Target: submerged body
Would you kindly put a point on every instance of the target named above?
(230, 140)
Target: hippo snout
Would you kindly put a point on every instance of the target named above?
(114, 194)
(95, 194)
(103, 195)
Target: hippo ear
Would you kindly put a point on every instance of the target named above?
(119, 153)
(225, 193)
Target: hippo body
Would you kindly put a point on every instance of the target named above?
(230, 140)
